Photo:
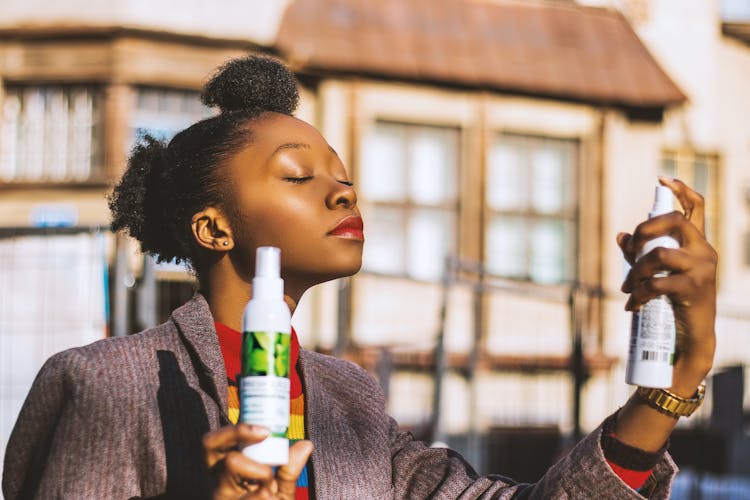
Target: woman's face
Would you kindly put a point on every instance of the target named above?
(292, 191)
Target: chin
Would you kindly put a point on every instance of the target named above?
(333, 270)
(346, 270)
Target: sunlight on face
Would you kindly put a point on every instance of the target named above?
(292, 191)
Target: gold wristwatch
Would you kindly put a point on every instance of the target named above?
(672, 404)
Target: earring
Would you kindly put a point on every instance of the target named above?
(225, 243)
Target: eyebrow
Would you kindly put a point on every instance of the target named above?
(291, 145)
(298, 145)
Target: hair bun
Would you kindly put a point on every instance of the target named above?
(258, 83)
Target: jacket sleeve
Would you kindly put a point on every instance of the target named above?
(63, 444)
(29, 444)
(423, 472)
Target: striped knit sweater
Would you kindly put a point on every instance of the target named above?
(230, 342)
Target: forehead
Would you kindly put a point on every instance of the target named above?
(273, 130)
(269, 136)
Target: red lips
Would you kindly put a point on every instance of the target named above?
(349, 227)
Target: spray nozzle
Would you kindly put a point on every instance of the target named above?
(267, 283)
(267, 262)
(663, 201)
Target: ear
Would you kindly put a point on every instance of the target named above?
(211, 230)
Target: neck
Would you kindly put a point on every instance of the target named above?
(227, 294)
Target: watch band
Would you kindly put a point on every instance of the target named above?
(672, 404)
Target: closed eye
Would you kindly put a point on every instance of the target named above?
(346, 183)
(298, 180)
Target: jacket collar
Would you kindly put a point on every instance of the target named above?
(196, 326)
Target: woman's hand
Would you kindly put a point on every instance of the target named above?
(691, 287)
(691, 284)
(238, 477)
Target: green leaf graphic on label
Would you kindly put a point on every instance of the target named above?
(281, 363)
(283, 340)
(265, 353)
(259, 361)
(264, 339)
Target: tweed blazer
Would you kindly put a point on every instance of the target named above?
(123, 418)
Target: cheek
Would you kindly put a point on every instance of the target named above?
(276, 220)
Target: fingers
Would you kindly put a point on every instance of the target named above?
(287, 475)
(241, 468)
(692, 277)
(673, 224)
(218, 443)
(692, 202)
(656, 261)
(678, 287)
(238, 476)
(235, 475)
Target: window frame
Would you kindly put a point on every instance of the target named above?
(569, 215)
(160, 95)
(408, 207)
(684, 161)
(98, 175)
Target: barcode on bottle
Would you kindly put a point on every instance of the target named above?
(655, 356)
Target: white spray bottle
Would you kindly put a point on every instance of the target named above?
(652, 331)
(264, 379)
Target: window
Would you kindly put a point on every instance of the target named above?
(701, 172)
(164, 112)
(50, 134)
(531, 208)
(409, 190)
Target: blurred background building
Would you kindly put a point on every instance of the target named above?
(497, 146)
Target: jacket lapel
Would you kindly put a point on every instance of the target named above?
(196, 326)
(336, 458)
(315, 404)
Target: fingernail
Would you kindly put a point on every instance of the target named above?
(631, 306)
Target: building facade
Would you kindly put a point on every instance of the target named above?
(497, 147)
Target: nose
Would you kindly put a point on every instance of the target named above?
(341, 196)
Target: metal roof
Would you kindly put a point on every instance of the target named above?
(550, 49)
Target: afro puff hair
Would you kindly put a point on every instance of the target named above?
(254, 82)
(164, 185)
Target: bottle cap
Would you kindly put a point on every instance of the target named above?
(267, 262)
(663, 201)
(267, 283)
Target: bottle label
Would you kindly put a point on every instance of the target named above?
(653, 332)
(264, 380)
(264, 401)
(265, 353)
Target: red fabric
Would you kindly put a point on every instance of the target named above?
(230, 342)
(633, 478)
(295, 382)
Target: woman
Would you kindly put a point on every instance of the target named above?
(152, 414)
